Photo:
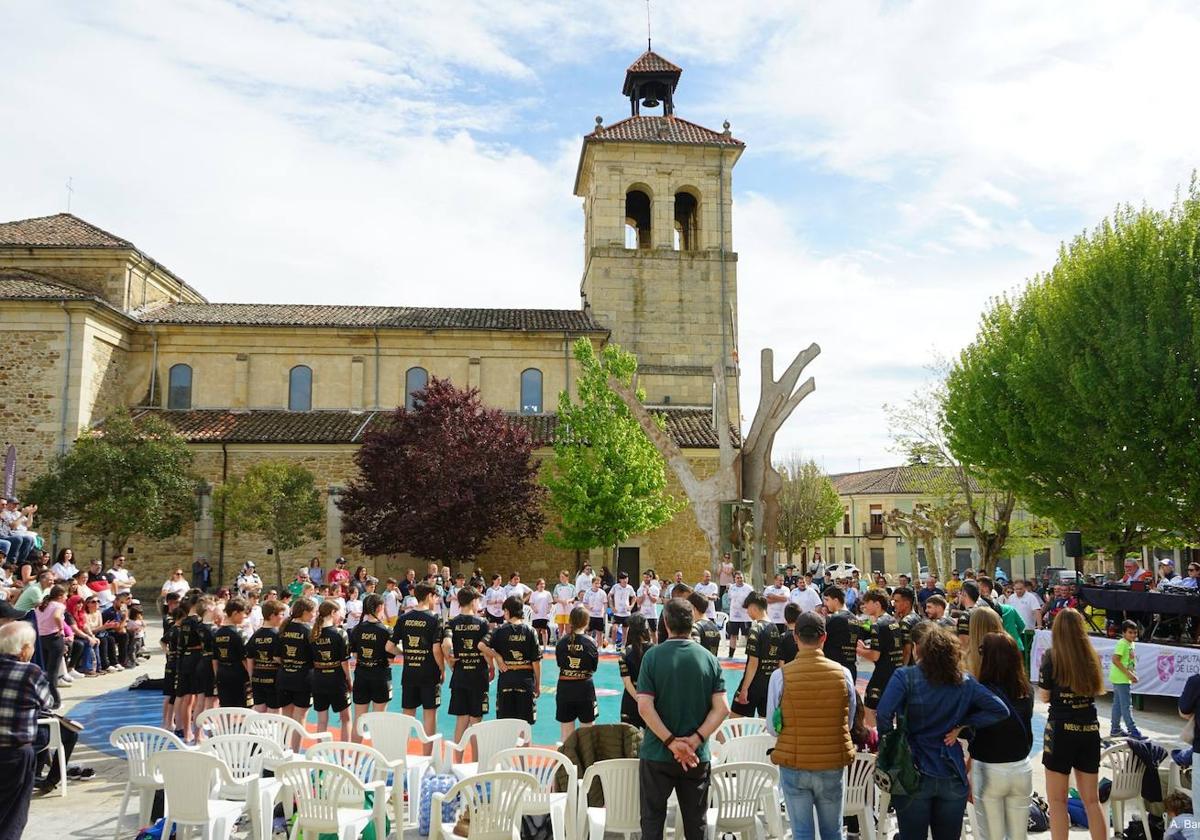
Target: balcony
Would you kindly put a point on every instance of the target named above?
(875, 530)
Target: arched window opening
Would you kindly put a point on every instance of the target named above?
(637, 217)
(414, 380)
(179, 387)
(531, 391)
(686, 222)
(300, 388)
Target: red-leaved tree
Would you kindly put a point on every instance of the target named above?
(443, 480)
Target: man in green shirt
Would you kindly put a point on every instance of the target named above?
(681, 699)
(32, 594)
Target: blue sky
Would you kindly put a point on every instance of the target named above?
(905, 161)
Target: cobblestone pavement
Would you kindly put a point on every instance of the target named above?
(90, 807)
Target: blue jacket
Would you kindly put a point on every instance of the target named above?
(933, 710)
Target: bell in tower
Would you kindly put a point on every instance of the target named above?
(650, 81)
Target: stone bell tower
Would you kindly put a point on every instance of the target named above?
(659, 267)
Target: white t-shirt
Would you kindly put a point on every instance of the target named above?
(596, 601)
(622, 599)
(541, 602)
(583, 581)
(64, 571)
(648, 599)
(564, 598)
(391, 603)
(1025, 605)
(808, 599)
(708, 590)
(725, 574)
(494, 599)
(249, 583)
(353, 614)
(775, 610)
(254, 619)
(120, 579)
(178, 586)
(737, 599)
(519, 589)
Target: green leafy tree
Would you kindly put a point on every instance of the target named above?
(607, 480)
(121, 480)
(278, 500)
(1079, 393)
(809, 506)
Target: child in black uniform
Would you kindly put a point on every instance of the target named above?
(331, 668)
(517, 656)
(294, 681)
(473, 673)
(263, 651)
(230, 657)
(578, 658)
(372, 665)
(637, 639)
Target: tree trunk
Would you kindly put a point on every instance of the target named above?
(278, 567)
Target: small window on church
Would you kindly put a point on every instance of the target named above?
(637, 218)
(686, 222)
(300, 388)
(531, 391)
(414, 380)
(179, 387)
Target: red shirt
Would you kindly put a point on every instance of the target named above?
(338, 576)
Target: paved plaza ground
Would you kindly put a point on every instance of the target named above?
(104, 702)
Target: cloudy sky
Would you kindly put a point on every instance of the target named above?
(905, 161)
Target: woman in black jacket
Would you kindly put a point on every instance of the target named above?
(1001, 771)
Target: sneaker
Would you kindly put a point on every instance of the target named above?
(118, 667)
(74, 674)
(110, 669)
(65, 680)
(1136, 735)
(1118, 733)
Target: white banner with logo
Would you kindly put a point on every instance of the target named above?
(1161, 669)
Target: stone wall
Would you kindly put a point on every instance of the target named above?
(31, 381)
(107, 369)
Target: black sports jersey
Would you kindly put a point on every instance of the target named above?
(228, 648)
(467, 633)
(170, 638)
(263, 648)
(763, 643)
(417, 633)
(631, 664)
(962, 619)
(906, 627)
(192, 635)
(1065, 705)
(707, 634)
(577, 656)
(517, 646)
(886, 637)
(842, 632)
(330, 649)
(368, 643)
(787, 647)
(295, 651)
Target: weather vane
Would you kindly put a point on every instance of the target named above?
(648, 47)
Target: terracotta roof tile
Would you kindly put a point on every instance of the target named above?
(690, 427)
(17, 284)
(61, 230)
(653, 129)
(652, 62)
(394, 317)
(908, 479)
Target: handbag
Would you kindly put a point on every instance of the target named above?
(895, 770)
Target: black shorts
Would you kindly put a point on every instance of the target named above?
(596, 624)
(575, 700)
(494, 619)
(620, 620)
(170, 681)
(231, 687)
(264, 694)
(629, 711)
(424, 696)
(1071, 746)
(205, 680)
(469, 702)
(186, 675)
(733, 629)
(757, 707)
(517, 703)
(294, 689)
(651, 623)
(372, 685)
(541, 623)
(329, 691)
(875, 688)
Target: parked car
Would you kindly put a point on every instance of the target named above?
(841, 570)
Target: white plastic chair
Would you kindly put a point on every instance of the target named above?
(370, 767)
(55, 745)
(490, 736)
(745, 748)
(721, 618)
(140, 744)
(225, 720)
(495, 802)
(621, 813)
(189, 776)
(390, 733)
(280, 729)
(321, 790)
(544, 764)
(736, 791)
(1126, 770)
(246, 756)
(858, 794)
(737, 727)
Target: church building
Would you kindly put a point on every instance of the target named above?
(90, 322)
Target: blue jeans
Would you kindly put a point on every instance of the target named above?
(21, 545)
(1122, 707)
(804, 790)
(937, 808)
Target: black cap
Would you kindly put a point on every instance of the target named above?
(10, 613)
(810, 625)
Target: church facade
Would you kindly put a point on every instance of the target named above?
(92, 323)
